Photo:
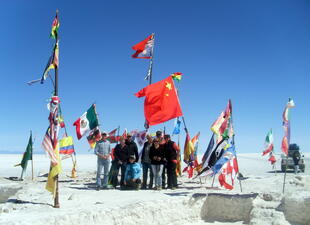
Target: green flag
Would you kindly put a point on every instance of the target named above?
(27, 154)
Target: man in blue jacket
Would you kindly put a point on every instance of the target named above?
(132, 174)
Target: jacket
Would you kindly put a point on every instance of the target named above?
(159, 152)
(171, 151)
(121, 154)
(146, 150)
(133, 149)
(133, 171)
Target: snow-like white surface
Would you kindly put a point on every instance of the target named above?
(82, 204)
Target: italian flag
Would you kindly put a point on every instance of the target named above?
(268, 143)
(86, 122)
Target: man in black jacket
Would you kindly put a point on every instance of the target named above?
(132, 147)
(121, 158)
(171, 154)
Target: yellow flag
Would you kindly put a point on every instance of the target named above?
(54, 171)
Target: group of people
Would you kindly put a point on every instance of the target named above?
(158, 159)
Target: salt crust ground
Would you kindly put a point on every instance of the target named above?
(81, 204)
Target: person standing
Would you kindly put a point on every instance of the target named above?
(146, 163)
(159, 136)
(132, 147)
(157, 156)
(296, 158)
(132, 174)
(103, 152)
(171, 153)
(121, 158)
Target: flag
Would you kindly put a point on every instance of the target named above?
(144, 49)
(66, 145)
(177, 76)
(209, 149)
(48, 147)
(61, 121)
(221, 126)
(286, 126)
(54, 171)
(112, 138)
(93, 137)
(177, 126)
(52, 63)
(27, 154)
(230, 168)
(227, 155)
(272, 159)
(188, 149)
(86, 122)
(161, 103)
(55, 27)
(141, 137)
(268, 143)
(212, 157)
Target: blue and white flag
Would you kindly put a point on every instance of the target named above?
(227, 155)
(177, 125)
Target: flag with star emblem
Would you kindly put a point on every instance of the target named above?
(161, 101)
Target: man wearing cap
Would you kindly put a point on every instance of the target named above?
(171, 153)
(132, 147)
(146, 162)
(132, 174)
(103, 152)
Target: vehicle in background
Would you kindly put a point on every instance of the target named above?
(288, 162)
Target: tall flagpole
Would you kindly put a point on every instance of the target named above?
(150, 74)
(56, 200)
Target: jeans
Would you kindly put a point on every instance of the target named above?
(163, 177)
(146, 167)
(157, 171)
(102, 164)
(171, 174)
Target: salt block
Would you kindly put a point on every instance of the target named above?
(227, 207)
(7, 190)
(296, 207)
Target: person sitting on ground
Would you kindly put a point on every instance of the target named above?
(146, 163)
(103, 152)
(157, 155)
(132, 174)
(132, 147)
(121, 157)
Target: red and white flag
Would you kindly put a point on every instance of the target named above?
(230, 168)
(144, 49)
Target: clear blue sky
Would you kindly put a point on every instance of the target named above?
(255, 52)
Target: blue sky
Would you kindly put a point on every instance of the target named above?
(255, 52)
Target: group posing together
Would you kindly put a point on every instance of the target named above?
(158, 159)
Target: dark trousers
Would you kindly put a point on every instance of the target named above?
(163, 176)
(132, 185)
(147, 169)
(171, 174)
(114, 173)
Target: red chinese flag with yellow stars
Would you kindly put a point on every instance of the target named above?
(161, 101)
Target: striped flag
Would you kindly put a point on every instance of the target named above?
(55, 27)
(48, 147)
(144, 49)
